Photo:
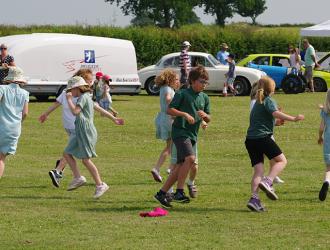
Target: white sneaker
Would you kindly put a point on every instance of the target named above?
(77, 182)
(278, 180)
(156, 175)
(100, 190)
(168, 171)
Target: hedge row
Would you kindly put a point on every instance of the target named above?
(151, 42)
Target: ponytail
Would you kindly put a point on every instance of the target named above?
(266, 86)
(260, 95)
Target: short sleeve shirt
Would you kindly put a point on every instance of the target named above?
(3, 73)
(187, 100)
(184, 59)
(308, 56)
(261, 119)
(222, 56)
(67, 117)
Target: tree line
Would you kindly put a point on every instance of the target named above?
(175, 13)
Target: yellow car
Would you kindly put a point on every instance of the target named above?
(270, 64)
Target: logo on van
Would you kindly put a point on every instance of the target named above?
(89, 56)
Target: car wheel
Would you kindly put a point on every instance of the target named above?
(151, 87)
(42, 98)
(292, 84)
(242, 86)
(319, 85)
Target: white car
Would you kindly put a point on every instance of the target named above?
(245, 77)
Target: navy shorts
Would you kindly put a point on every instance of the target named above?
(257, 148)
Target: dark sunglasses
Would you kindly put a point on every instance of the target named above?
(3, 48)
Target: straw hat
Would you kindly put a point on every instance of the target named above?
(15, 74)
(224, 46)
(186, 44)
(75, 82)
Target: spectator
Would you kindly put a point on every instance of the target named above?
(5, 60)
(222, 55)
(184, 64)
(295, 59)
(310, 63)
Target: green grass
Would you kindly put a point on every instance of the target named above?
(35, 215)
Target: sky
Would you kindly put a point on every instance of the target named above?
(94, 12)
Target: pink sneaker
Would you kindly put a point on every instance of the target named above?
(157, 212)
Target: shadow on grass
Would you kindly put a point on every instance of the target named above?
(31, 197)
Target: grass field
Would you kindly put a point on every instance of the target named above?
(36, 215)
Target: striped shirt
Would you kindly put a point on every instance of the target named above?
(184, 59)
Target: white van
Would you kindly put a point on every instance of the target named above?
(50, 59)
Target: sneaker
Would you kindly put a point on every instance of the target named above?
(267, 187)
(192, 190)
(156, 175)
(168, 171)
(278, 180)
(77, 182)
(100, 190)
(169, 196)
(255, 205)
(55, 177)
(163, 200)
(57, 163)
(324, 191)
(181, 198)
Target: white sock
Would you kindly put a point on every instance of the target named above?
(190, 182)
(171, 190)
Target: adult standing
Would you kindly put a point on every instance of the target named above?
(5, 61)
(223, 54)
(294, 59)
(310, 63)
(184, 64)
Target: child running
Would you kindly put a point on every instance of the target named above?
(230, 75)
(13, 110)
(324, 138)
(259, 142)
(82, 144)
(189, 106)
(168, 81)
(106, 100)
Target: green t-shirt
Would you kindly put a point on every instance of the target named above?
(308, 56)
(261, 119)
(186, 100)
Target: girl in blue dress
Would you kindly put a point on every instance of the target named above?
(13, 110)
(324, 138)
(168, 81)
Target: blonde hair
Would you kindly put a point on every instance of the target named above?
(326, 106)
(266, 86)
(254, 89)
(167, 77)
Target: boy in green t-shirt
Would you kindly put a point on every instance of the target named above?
(189, 107)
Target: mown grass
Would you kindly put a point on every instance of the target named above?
(35, 215)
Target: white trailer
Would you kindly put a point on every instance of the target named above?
(50, 59)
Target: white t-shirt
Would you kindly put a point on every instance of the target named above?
(294, 62)
(67, 117)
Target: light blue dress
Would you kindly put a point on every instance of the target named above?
(12, 101)
(82, 144)
(326, 137)
(164, 121)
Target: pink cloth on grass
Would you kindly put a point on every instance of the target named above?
(155, 213)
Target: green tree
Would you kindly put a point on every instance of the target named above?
(222, 9)
(250, 8)
(164, 13)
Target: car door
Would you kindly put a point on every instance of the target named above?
(279, 68)
(215, 80)
(173, 63)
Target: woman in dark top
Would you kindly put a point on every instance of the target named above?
(5, 61)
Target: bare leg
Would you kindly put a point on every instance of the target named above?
(277, 164)
(189, 161)
(73, 165)
(60, 167)
(2, 163)
(93, 171)
(311, 85)
(163, 155)
(256, 178)
(327, 174)
(172, 178)
(193, 172)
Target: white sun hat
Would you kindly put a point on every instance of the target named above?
(75, 82)
(186, 44)
(15, 74)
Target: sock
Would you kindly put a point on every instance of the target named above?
(179, 191)
(191, 182)
(161, 192)
(171, 190)
(326, 180)
(269, 181)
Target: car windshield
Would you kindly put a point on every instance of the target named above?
(213, 60)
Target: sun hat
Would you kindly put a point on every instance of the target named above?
(15, 74)
(99, 74)
(4, 46)
(186, 44)
(224, 45)
(75, 82)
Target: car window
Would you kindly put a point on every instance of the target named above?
(213, 60)
(261, 60)
(171, 62)
(200, 60)
(325, 63)
(280, 61)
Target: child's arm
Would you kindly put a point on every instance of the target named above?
(321, 130)
(204, 125)
(280, 115)
(168, 98)
(175, 112)
(118, 121)
(75, 109)
(115, 112)
(25, 110)
(45, 115)
(204, 116)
